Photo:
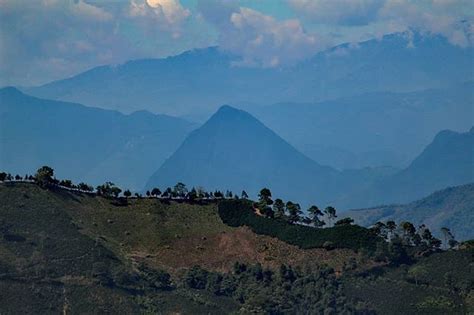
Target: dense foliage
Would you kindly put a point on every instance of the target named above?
(240, 212)
(286, 291)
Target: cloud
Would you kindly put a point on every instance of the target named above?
(341, 12)
(262, 40)
(44, 40)
(439, 17)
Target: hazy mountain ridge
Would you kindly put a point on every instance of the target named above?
(235, 151)
(83, 143)
(452, 207)
(447, 161)
(197, 82)
(373, 121)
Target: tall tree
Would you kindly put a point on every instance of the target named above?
(279, 208)
(314, 214)
(330, 213)
(294, 212)
(180, 190)
(44, 176)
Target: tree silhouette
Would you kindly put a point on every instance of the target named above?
(294, 212)
(180, 190)
(127, 193)
(314, 214)
(279, 208)
(155, 192)
(330, 213)
(44, 176)
(345, 221)
(244, 195)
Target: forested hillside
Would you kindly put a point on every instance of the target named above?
(73, 251)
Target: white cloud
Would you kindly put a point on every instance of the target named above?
(262, 40)
(343, 12)
(442, 17)
(44, 40)
(154, 15)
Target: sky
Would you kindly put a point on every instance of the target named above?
(46, 40)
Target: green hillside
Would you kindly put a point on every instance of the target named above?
(70, 252)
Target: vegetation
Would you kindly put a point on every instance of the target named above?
(240, 212)
(65, 249)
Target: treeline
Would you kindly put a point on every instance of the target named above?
(45, 178)
(287, 223)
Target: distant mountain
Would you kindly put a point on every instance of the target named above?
(84, 143)
(447, 161)
(374, 129)
(233, 150)
(196, 82)
(451, 207)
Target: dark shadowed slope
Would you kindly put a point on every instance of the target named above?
(451, 207)
(233, 150)
(196, 82)
(83, 143)
(385, 128)
(447, 161)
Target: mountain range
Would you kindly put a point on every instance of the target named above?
(447, 161)
(372, 129)
(196, 83)
(235, 151)
(84, 143)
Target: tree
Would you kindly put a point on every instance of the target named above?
(192, 195)
(330, 213)
(180, 190)
(244, 195)
(148, 193)
(448, 238)
(380, 229)
(345, 221)
(3, 176)
(108, 190)
(66, 183)
(127, 193)
(155, 192)
(85, 187)
(17, 177)
(265, 196)
(408, 232)
(315, 213)
(279, 208)
(391, 227)
(44, 176)
(294, 212)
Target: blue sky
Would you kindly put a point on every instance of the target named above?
(44, 40)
